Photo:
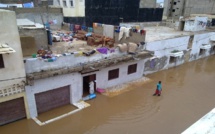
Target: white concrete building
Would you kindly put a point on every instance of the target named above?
(71, 8)
(12, 71)
(172, 48)
(195, 23)
(69, 80)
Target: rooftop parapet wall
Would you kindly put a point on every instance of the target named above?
(35, 10)
(40, 15)
(37, 69)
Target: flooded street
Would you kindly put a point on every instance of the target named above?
(188, 94)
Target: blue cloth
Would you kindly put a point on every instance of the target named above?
(88, 34)
(28, 5)
(47, 25)
(49, 37)
(159, 86)
(90, 29)
(84, 28)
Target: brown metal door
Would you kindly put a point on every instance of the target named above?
(52, 99)
(12, 110)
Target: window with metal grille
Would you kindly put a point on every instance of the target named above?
(132, 69)
(1, 61)
(113, 74)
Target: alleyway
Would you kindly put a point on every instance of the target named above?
(188, 94)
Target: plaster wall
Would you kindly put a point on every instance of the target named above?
(164, 47)
(36, 65)
(102, 75)
(77, 10)
(73, 80)
(199, 40)
(43, 18)
(197, 25)
(147, 3)
(162, 50)
(155, 65)
(39, 35)
(13, 72)
(199, 7)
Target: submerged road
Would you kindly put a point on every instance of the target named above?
(188, 94)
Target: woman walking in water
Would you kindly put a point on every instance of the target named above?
(158, 89)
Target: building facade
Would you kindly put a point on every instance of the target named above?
(176, 8)
(13, 104)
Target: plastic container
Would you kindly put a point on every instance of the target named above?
(34, 55)
(92, 96)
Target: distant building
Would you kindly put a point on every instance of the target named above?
(85, 12)
(176, 8)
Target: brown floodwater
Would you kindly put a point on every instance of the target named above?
(188, 94)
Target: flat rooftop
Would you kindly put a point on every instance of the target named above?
(157, 33)
(161, 32)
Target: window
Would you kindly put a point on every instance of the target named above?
(202, 52)
(64, 3)
(132, 69)
(113, 74)
(71, 3)
(1, 61)
(213, 49)
(172, 59)
(50, 2)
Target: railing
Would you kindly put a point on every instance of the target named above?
(13, 89)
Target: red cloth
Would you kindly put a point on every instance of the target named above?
(77, 27)
(157, 92)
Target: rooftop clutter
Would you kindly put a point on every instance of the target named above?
(85, 41)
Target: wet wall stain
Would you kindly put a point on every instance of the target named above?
(156, 64)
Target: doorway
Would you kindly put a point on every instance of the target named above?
(86, 80)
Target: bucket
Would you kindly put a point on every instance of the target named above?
(92, 96)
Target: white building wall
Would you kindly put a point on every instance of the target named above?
(14, 71)
(77, 10)
(102, 75)
(198, 24)
(74, 80)
(199, 40)
(164, 47)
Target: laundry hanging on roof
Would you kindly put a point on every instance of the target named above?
(84, 28)
(90, 29)
(55, 21)
(95, 25)
(108, 31)
(122, 29)
(77, 27)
